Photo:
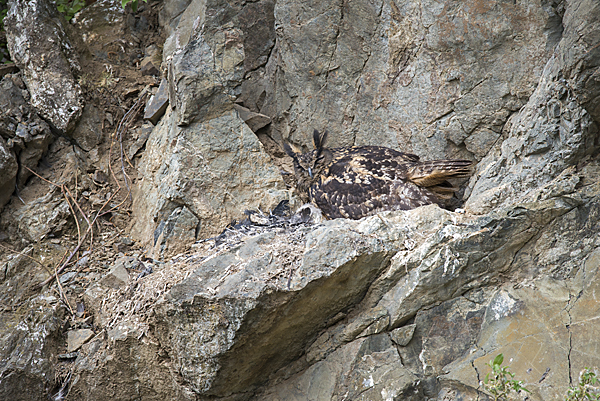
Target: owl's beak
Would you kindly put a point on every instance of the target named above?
(310, 172)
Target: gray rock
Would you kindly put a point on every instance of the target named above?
(157, 105)
(88, 133)
(552, 132)
(367, 369)
(117, 276)
(178, 18)
(404, 90)
(254, 120)
(302, 307)
(8, 172)
(29, 340)
(176, 232)
(217, 169)
(442, 335)
(402, 335)
(480, 142)
(143, 135)
(76, 338)
(148, 68)
(43, 216)
(240, 37)
(27, 136)
(41, 49)
(13, 100)
(204, 75)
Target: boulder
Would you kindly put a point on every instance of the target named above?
(27, 371)
(197, 179)
(556, 129)
(24, 136)
(41, 49)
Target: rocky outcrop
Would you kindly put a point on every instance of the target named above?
(215, 170)
(463, 265)
(310, 313)
(556, 129)
(41, 49)
(24, 136)
(406, 305)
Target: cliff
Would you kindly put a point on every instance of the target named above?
(123, 276)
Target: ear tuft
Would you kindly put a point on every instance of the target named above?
(290, 152)
(319, 139)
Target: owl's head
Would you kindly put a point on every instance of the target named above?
(309, 166)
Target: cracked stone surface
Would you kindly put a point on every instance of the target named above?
(40, 47)
(216, 170)
(407, 305)
(412, 75)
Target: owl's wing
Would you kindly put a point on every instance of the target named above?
(376, 161)
(355, 186)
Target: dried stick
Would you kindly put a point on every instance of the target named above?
(63, 188)
(62, 294)
(72, 212)
(66, 262)
(81, 239)
(84, 216)
(121, 128)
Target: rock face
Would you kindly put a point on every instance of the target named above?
(556, 129)
(406, 305)
(433, 78)
(27, 351)
(41, 49)
(214, 171)
(308, 314)
(24, 136)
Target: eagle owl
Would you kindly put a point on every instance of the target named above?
(358, 181)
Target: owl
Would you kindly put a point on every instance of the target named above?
(358, 181)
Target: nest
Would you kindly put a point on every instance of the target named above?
(133, 303)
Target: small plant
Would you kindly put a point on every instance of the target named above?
(585, 388)
(500, 382)
(107, 79)
(69, 7)
(134, 4)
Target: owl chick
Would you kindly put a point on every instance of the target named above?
(358, 181)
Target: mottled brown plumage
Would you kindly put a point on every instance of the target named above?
(359, 181)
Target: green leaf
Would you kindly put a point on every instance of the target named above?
(498, 359)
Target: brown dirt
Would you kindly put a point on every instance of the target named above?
(94, 182)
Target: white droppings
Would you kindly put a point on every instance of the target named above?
(502, 306)
(388, 395)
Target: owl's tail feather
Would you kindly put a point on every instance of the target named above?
(445, 190)
(434, 173)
